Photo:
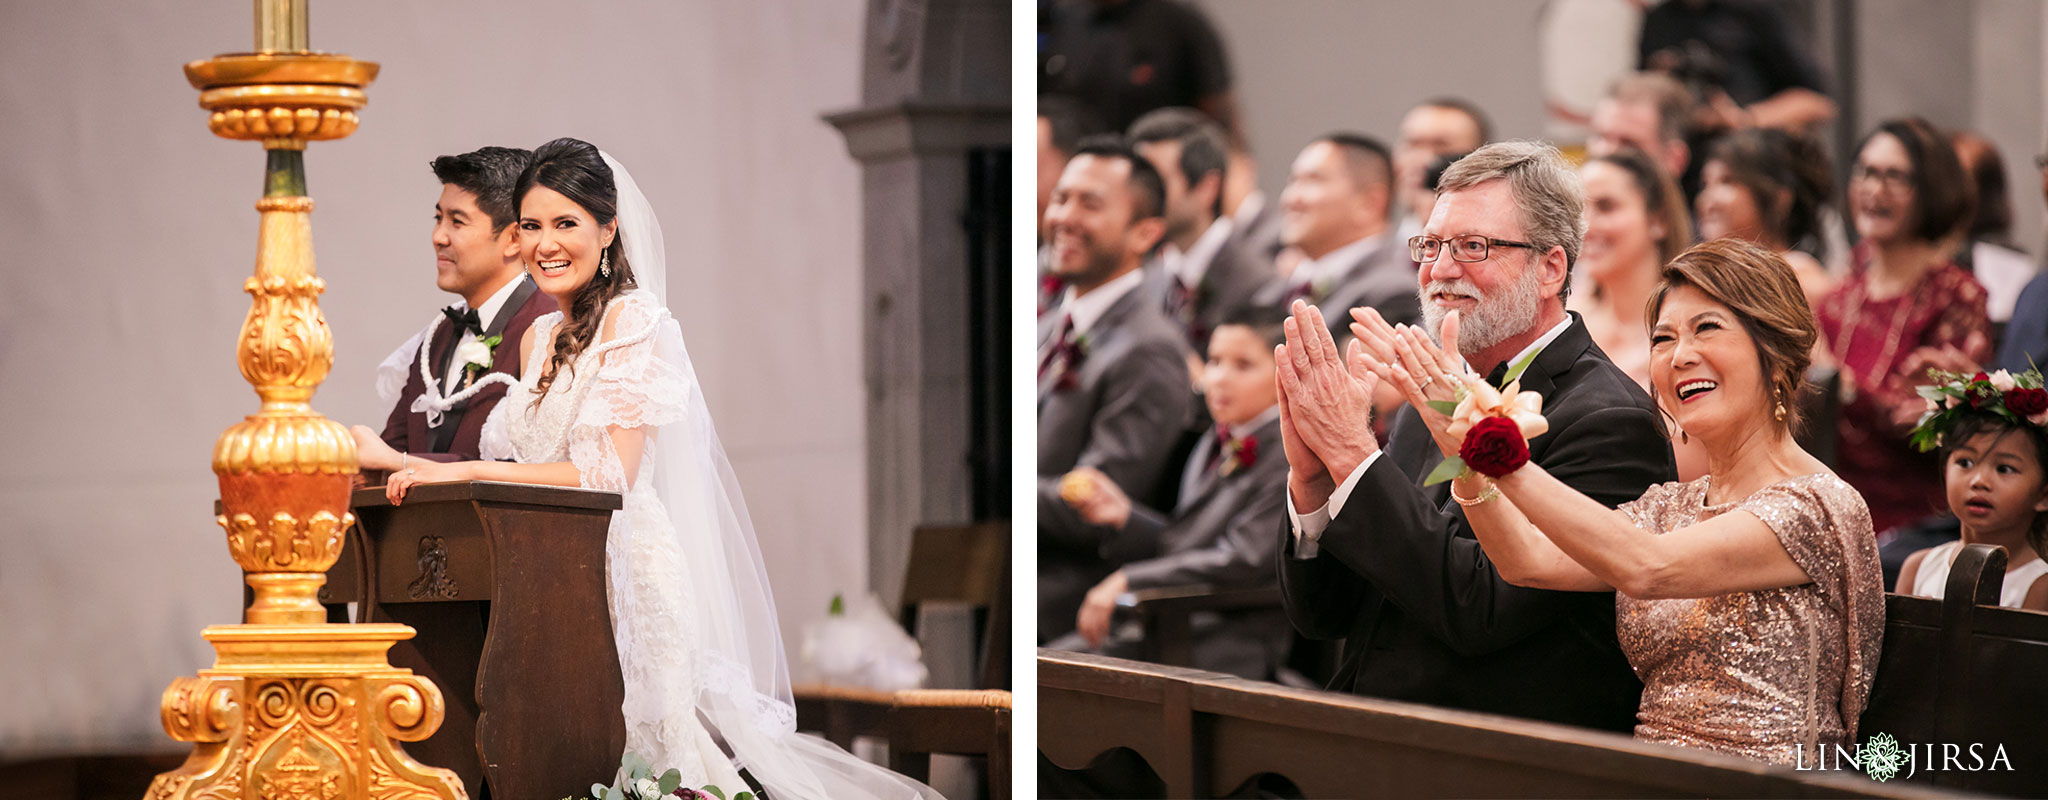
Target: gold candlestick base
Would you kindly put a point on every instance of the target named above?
(303, 712)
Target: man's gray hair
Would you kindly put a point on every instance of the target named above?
(1546, 191)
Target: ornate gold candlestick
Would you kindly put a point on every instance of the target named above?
(294, 708)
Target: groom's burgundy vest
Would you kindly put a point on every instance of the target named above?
(461, 429)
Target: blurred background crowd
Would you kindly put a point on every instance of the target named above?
(1892, 153)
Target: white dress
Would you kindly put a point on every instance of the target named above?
(1932, 579)
(620, 382)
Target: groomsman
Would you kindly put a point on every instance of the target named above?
(1220, 533)
(1335, 210)
(1372, 556)
(476, 257)
(1112, 380)
(1204, 271)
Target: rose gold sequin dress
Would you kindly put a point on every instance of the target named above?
(1756, 673)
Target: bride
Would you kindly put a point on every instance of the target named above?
(611, 402)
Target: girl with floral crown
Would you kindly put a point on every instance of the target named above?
(1992, 430)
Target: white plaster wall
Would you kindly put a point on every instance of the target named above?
(129, 229)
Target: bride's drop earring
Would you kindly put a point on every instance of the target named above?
(604, 264)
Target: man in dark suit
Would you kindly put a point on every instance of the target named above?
(1201, 272)
(1220, 534)
(1112, 380)
(1373, 556)
(475, 257)
(1334, 210)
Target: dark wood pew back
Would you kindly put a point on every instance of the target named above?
(1208, 734)
(1962, 670)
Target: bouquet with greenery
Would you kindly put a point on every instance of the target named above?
(637, 781)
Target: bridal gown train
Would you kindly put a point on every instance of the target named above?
(701, 666)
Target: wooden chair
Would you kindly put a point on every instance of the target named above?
(964, 722)
(958, 563)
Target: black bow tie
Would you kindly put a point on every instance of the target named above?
(464, 319)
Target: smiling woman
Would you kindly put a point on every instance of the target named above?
(1906, 192)
(1722, 577)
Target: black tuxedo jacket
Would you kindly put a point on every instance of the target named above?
(1425, 616)
(460, 434)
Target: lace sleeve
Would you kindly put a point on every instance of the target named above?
(631, 388)
(494, 442)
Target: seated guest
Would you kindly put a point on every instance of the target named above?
(1767, 187)
(1377, 558)
(475, 257)
(1221, 532)
(1112, 381)
(1635, 223)
(1996, 474)
(1987, 249)
(1334, 210)
(1750, 600)
(1906, 194)
(1649, 112)
(1433, 129)
(1061, 125)
(1205, 272)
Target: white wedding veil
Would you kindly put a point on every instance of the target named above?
(743, 691)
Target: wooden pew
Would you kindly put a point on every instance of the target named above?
(1208, 734)
(1962, 670)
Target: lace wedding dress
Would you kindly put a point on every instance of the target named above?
(696, 632)
(620, 382)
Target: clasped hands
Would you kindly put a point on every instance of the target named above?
(1326, 400)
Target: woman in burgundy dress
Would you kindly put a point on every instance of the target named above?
(1906, 193)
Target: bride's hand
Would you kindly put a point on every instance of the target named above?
(372, 452)
(423, 471)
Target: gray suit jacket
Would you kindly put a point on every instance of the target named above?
(1259, 237)
(1382, 278)
(1230, 280)
(1220, 535)
(1129, 402)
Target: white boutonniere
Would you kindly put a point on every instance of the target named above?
(475, 354)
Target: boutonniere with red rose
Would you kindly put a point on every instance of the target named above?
(1067, 359)
(1238, 453)
(2019, 398)
(1493, 426)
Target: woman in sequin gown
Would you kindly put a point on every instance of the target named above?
(1749, 601)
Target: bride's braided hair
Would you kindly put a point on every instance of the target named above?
(575, 169)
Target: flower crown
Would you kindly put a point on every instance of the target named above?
(2020, 399)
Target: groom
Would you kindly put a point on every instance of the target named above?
(1391, 566)
(476, 256)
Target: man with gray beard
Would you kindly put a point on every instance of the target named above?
(1390, 565)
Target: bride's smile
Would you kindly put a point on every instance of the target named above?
(560, 242)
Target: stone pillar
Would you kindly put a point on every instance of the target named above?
(936, 83)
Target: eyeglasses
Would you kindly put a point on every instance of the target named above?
(1468, 248)
(1887, 178)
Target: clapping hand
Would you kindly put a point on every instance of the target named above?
(1325, 401)
(1405, 357)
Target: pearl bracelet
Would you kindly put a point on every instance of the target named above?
(1492, 492)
